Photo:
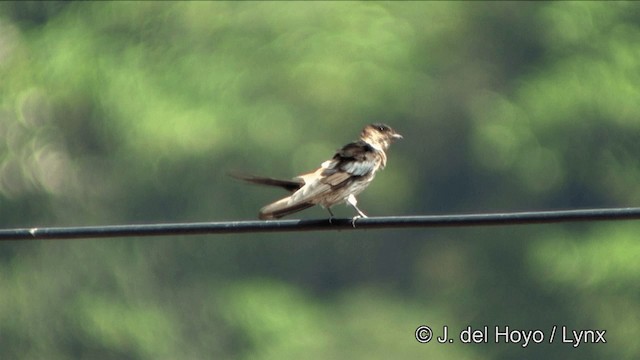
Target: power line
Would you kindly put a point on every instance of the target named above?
(236, 227)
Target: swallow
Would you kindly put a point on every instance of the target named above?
(338, 180)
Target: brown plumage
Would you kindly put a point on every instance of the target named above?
(337, 180)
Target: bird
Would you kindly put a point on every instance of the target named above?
(337, 180)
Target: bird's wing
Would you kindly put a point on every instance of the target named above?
(356, 159)
(352, 161)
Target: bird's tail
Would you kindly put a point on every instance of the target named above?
(282, 207)
(289, 185)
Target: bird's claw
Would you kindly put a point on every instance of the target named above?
(355, 218)
(330, 216)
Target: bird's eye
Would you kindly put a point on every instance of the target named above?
(381, 128)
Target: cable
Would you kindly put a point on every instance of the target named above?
(235, 227)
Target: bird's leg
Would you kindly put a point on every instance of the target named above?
(351, 200)
(331, 215)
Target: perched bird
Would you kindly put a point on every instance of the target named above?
(337, 180)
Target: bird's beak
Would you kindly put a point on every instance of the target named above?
(397, 136)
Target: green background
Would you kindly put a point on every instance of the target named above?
(133, 112)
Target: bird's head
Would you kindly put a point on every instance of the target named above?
(379, 135)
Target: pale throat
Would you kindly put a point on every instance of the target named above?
(380, 149)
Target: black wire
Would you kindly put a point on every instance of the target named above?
(234, 227)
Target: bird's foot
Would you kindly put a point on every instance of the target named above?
(355, 218)
(330, 215)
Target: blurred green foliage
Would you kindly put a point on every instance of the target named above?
(131, 112)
